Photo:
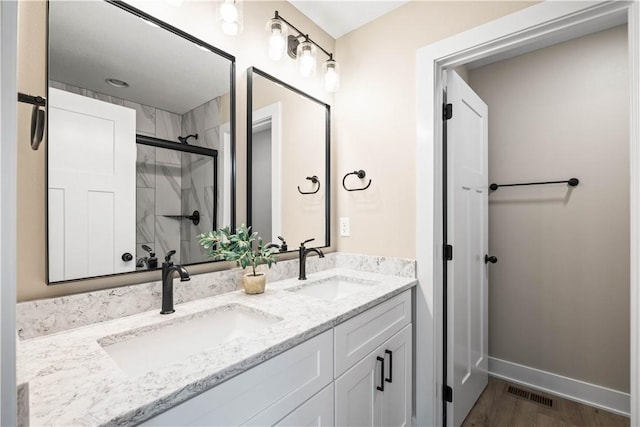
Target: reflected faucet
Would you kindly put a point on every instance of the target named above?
(167, 281)
(281, 248)
(302, 258)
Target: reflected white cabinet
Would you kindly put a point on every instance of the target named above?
(376, 391)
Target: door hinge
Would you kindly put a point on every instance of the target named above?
(447, 393)
(448, 252)
(447, 111)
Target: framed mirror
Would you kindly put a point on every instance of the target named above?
(141, 143)
(288, 162)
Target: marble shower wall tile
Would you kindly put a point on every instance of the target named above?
(145, 117)
(168, 237)
(145, 215)
(168, 157)
(212, 138)
(145, 166)
(168, 125)
(168, 187)
(186, 226)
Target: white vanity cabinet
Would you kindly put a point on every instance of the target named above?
(374, 366)
(367, 395)
(262, 395)
(331, 379)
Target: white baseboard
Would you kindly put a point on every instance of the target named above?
(579, 391)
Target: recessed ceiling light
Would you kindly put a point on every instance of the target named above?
(117, 83)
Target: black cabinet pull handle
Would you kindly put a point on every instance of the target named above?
(381, 386)
(390, 353)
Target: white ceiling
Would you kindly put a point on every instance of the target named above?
(93, 41)
(341, 17)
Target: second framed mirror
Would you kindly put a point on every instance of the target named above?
(288, 162)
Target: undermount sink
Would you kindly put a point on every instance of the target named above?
(145, 349)
(333, 288)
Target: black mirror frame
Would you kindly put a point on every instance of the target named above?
(250, 72)
(232, 123)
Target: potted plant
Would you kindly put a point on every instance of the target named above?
(223, 245)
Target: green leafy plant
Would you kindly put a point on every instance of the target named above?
(223, 245)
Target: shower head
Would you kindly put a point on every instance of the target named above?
(183, 139)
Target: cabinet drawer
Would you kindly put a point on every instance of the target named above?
(264, 394)
(317, 411)
(360, 335)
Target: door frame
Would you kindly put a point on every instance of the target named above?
(544, 21)
(8, 213)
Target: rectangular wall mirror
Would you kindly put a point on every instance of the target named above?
(288, 170)
(141, 145)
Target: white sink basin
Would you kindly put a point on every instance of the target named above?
(146, 349)
(333, 288)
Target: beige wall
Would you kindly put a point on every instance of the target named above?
(559, 294)
(376, 116)
(194, 17)
(302, 154)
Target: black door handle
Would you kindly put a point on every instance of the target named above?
(490, 259)
(381, 386)
(126, 257)
(390, 353)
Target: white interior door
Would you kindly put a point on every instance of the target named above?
(467, 203)
(92, 186)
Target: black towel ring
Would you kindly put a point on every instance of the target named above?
(314, 179)
(360, 174)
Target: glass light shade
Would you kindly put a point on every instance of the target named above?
(230, 16)
(306, 54)
(278, 32)
(331, 70)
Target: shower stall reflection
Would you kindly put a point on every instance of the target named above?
(176, 198)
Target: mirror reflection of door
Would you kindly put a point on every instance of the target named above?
(265, 177)
(91, 184)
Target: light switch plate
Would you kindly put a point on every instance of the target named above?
(345, 226)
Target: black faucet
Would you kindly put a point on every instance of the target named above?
(302, 257)
(281, 248)
(167, 282)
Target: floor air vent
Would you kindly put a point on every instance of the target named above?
(527, 395)
(518, 392)
(541, 400)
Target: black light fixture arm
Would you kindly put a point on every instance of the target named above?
(301, 34)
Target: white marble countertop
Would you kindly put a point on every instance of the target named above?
(73, 381)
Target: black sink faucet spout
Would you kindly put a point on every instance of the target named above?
(302, 258)
(167, 282)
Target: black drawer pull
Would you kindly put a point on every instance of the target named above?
(381, 386)
(390, 353)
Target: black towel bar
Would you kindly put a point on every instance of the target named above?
(571, 181)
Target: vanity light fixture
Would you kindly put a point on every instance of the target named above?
(117, 83)
(301, 48)
(230, 15)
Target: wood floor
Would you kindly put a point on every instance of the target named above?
(497, 408)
